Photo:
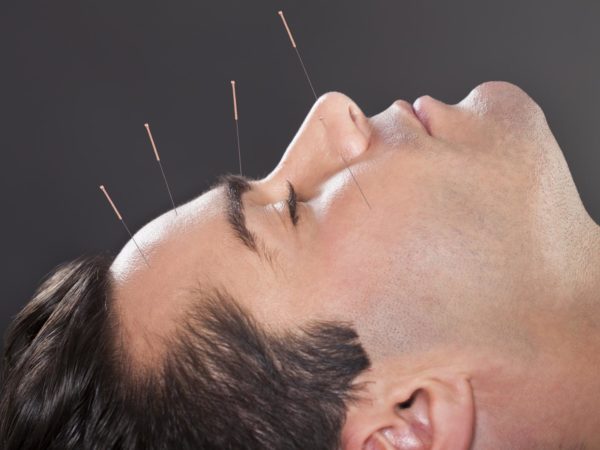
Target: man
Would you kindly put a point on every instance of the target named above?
(455, 305)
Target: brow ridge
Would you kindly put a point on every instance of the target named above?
(235, 186)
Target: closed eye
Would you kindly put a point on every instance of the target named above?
(291, 203)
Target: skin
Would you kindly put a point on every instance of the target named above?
(473, 279)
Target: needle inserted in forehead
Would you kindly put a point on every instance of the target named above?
(114, 207)
(237, 128)
(160, 165)
(350, 171)
(297, 52)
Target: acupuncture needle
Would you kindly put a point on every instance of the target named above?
(118, 214)
(160, 165)
(289, 32)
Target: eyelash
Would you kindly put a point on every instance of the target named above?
(292, 201)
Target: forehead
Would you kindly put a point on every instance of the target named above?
(167, 234)
(193, 248)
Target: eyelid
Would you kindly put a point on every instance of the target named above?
(291, 202)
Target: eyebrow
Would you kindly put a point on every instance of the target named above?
(235, 186)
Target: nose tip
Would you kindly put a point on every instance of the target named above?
(335, 102)
(331, 99)
(334, 130)
(345, 122)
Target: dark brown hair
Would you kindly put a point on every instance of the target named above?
(224, 383)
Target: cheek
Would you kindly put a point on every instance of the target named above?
(354, 258)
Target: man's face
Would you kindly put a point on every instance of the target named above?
(463, 201)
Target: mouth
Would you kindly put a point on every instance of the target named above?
(420, 112)
(415, 113)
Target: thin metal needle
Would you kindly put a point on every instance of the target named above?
(160, 165)
(237, 128)
(357, 185)
(289, 32)
(350, 171)
(297, 52)
(114, 207)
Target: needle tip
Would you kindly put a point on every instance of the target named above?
(280, 13)
(146, 125)
(101, 187)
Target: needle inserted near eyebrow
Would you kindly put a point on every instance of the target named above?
(237, 128)
(114, 207)
(160, 165)
(297, 52)
(350, 171)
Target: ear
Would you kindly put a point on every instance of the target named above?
(433, 412)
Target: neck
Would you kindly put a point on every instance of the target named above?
(586, 348)
(552, 398)
(550, 404)
(593, 267)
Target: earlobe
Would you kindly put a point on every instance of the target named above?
(427, 413)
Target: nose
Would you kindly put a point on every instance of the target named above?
(335, 133)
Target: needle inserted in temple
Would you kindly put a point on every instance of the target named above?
(237, 128)
(297, 52)
(351, 174)
(160, 165)
(114, 207)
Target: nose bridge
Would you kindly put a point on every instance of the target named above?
(328, 136)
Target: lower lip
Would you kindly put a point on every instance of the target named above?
(420, 113)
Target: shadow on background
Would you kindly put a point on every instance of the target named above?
(79, 79)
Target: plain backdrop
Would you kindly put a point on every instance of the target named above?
(79, 78)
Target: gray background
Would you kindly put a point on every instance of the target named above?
(78, 79)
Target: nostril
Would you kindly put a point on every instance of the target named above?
(354, 112)
(349, 141)
(362, 125)
(351, 149)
